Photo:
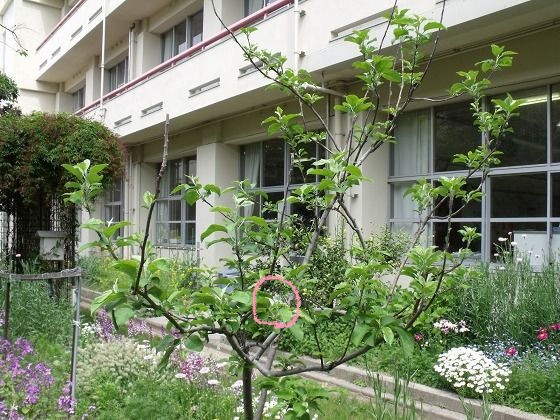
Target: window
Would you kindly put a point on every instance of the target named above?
(182, 36)
(522, 194)
(454, 133)
(113, 203)
(266, 165)
(252, 6)
(118, 75)
(175, 219)
(555, 102)
(527, 144)
(78, 99)
(195, 28)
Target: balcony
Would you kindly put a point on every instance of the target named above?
(77, 37)
(212, 72)
(212, 80)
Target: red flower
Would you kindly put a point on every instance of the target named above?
(542, 334)
(512, 351)
(418, 337)
(554, 327)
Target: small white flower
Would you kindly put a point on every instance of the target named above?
(510, 233)
(221, 365)
(496, 254)
(501, 267)
(514, 243)
(213, 382)
(18, 255)
(502, 239)
(204, 370)
(180, 375)
(237, 384)
(519, 259)
(148, 357)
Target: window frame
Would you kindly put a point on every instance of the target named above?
(186, 218)
(113, 74)
(486, 220)
(79, 99)
(275, 189)
(187, 24)
(111, 203)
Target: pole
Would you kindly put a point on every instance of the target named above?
(7, 307)
(76, 297)
(102, 64)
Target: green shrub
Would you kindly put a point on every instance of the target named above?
(33, 314)
(510, 301)
(533, 389)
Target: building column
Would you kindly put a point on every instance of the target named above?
(146, 49)
(217, 164)
(230, 11)
(93, 81)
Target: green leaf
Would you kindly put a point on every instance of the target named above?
(244, 298)
(258, 221)
(212, 229)
(191, 196)
(104, 299)
(129, 267)
(434, 25)
(213, 188)
(296, 331)
(407, 341)
(122, 315)
(388, 335)
(359, 333)
(74, 171)
(159, 264)
(149, 199)
(111, 230)
(194, 343)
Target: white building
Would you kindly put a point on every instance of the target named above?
(173, 57)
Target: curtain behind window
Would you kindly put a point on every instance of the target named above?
(411, 152)
(251, 171)
(251, 6)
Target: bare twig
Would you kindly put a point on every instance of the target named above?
(153, 205)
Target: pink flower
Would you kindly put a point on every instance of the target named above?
(542, 334)
(512, 351)
(554, 327)
(418, 337)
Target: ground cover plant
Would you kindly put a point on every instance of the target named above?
(376, 312)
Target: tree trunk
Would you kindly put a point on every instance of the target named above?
(248, 392)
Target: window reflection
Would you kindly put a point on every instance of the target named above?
(527, 144)
(519, 196)
(454, 133)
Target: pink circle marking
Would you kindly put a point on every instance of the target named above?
(276, 324)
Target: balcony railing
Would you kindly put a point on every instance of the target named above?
(253, 18)
(62, 21)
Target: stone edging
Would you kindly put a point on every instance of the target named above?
(431, 402)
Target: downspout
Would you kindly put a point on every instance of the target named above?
(3, 46)
(131, 32)
(296, 36)
(102, 64)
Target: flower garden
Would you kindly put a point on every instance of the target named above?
(487, 342)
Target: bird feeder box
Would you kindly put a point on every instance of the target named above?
(51, 245)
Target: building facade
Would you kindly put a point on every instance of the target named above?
(130, 63)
